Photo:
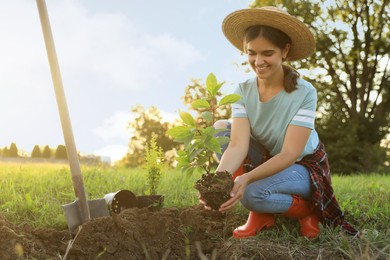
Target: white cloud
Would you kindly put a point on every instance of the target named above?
(103, 50)
(115, 127)
(110, 59)
(112, 52)
(114, 151)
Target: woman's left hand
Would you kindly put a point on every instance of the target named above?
(236, 194)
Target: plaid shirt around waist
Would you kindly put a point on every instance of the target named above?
(323, 196)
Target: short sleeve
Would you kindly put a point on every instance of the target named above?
(238, 108)
(307, 111)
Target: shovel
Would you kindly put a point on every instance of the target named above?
(81, 210)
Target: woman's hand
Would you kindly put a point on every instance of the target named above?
(236, 194)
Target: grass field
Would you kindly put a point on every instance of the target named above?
(34, 193)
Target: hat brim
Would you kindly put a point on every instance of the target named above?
(236, 23)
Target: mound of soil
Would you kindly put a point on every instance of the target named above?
(132, 234)
(191, 233)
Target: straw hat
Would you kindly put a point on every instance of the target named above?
(236, 23)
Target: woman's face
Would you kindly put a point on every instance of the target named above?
(265, 58)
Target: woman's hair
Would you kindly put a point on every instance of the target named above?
(279, 39)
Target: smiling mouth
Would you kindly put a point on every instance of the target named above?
(261, 69)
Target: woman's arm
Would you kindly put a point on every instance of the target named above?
(237, 149)
(293, 145)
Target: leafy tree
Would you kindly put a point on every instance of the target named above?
(351, 74)
(46, 152)
(146, 123)
(5, 152)
(13, 151)
(61, 152)
(36, 152)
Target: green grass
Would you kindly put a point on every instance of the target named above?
(34, 193)
(365, 199)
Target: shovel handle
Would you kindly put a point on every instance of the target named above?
(73, 159)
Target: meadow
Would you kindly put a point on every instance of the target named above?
(33, 194)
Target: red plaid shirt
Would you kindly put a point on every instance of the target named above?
(323, 196)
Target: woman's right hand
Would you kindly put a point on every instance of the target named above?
(236, 194)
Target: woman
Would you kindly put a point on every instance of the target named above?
(272, 129)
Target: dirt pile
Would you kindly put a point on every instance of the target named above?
(132, 234)
(23, 242)
(191, 233)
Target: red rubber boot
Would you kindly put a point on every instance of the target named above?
(304, 211)
(255, 223)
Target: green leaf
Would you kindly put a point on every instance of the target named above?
(187, 118)
(213, 145)
(179, 132)
(212, 86)
(216, 89)
(211, 83)
(229, 99)
(222, 140)
(186, 140)
(195, 153)
(208, 116)
(209, 131)
(200, 103)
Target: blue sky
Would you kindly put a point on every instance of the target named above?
(113, 55)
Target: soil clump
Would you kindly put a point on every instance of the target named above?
(214, 188)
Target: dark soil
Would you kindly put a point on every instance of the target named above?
(191, 233)
(132, 234)
(214, 189)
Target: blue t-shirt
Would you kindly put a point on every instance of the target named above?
(269, 120)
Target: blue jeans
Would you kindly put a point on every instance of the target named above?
(272, 194)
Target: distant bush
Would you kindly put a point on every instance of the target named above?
(36, 152)
(61, 152)
(12, 151)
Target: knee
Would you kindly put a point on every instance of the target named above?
(220, 124)
(254, 197)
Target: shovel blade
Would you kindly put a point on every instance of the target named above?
(97, 208)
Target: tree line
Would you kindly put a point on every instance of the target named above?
(350, 70)
(46, 152)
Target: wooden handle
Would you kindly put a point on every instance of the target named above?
(74, 163)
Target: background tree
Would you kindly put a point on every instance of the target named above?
(13, 151)
(351, 72)
(46, 152)
(5, 151)
(146, 123)
(36, 152)
(61, 152)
